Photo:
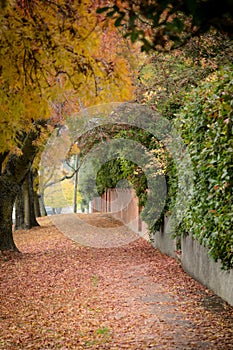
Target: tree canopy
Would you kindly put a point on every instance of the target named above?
(163, 24)
(49, 51)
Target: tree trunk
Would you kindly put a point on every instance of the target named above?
(76, 184)
(37, 205)
(12, 175)
(24, 205)
(19, 211)
(35, 184)
(8, 195)
(33, 221)
(42, 206)
(28, 193)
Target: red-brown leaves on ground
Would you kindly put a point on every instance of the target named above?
(57, 294)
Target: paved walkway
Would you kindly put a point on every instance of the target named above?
(62, 295)
(148, 286)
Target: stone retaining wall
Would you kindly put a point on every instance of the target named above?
(162, 240)
(197, 263)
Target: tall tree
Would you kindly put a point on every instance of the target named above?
(50, 50)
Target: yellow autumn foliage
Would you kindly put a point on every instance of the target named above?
(52, 55)
(61, 195)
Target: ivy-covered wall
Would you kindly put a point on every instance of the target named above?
(206, 125)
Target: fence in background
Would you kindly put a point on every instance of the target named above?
(123, 205)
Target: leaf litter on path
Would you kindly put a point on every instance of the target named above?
(58, 294)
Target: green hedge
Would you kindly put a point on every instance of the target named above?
(206, 125)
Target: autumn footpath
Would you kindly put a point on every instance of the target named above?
(58, 294)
